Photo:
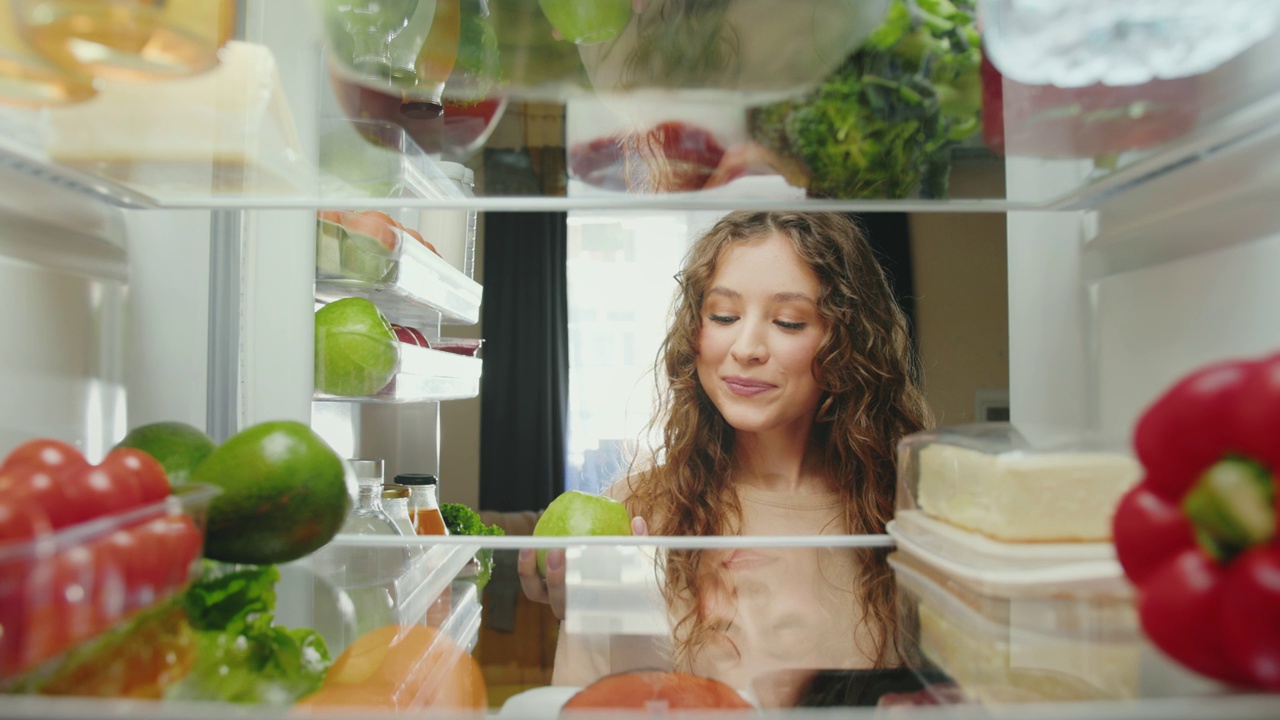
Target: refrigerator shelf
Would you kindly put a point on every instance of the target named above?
(243, 136)
(410, 284)
(424, 375)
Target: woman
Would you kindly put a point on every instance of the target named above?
(787, 378)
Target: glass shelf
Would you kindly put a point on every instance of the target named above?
(634, 123)
(981, 655)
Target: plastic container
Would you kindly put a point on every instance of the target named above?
(453, 232)
(1016, 484)
(362, 246)
(64, 589)
(1001, 649)
(355, 257)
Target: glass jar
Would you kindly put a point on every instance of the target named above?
(395, 503)
(367, 574)
(424, 503)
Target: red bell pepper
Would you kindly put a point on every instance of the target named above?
(1197, 536)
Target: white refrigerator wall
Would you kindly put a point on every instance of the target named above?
(63, 273)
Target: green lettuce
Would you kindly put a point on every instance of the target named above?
(242, 655)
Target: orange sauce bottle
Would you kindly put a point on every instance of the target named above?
(424, 503)
(424, 511)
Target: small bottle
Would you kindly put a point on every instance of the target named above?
(368, 574)
(395, 503)
(424, 503)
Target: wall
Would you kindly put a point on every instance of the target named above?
(962, 309)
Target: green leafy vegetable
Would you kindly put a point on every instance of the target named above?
(882, 125)
(243, 656)
(462, 520)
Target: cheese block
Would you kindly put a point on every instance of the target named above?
(226, 131)
(1023, 495)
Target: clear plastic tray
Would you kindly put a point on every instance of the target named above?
(1009, 569)
(62, 590)
(388, 582)
(377, 159)
(1016, 484)
(1022, 650)
(415, 286)
(422, 375)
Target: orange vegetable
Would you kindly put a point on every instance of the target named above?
(402, 667)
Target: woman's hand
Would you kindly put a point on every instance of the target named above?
(551, 590)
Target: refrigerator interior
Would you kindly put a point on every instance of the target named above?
(139, 293)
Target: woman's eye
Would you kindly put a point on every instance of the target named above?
(785, 325)
(721, 319)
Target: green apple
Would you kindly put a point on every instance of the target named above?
(579, 513)
(179, 447)
(587, 21)
(356, 349)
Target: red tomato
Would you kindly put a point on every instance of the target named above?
(169, 544)
(148, 473)
(56, 456)
(22, 521)
(121, 554)
(40, 488)
(100, 491)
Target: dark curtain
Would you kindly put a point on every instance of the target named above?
(890, 238)
(524, 390)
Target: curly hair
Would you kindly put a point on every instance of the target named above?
(866, 366)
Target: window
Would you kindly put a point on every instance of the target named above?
(621, 274)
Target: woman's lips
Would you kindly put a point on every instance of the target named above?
(746, 560)
(746, 387)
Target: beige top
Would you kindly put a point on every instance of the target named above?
(781, 608)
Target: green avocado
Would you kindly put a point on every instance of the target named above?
(284, 494)
(179, 447)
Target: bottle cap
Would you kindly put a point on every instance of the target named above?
(416, 479)
(392, 491)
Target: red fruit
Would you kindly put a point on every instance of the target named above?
(39, 488)
(147, 472)
(56, 456)
(100, 491)
(20, 522)
(655, 691)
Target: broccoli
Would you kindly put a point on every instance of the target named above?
(462, 520)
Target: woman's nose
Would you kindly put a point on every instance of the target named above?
(750, 346)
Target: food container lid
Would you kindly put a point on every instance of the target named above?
(1009, 570)
(416, 479)
(455, 171)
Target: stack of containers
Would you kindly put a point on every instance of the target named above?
(1005, 563)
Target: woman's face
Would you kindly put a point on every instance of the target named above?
(760, 331)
